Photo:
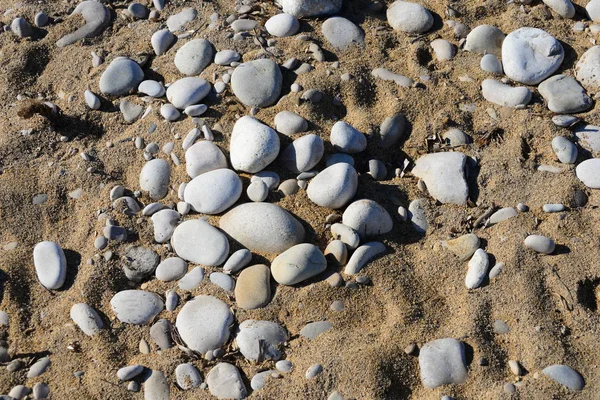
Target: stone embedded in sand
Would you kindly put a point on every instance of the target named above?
(589, 137)
(50, 264)
(156, 387)
(530, 55)
(169, 112)
(416, 214)
(164, 222)
(388, 75)
(259, 380)
(443, 49)
(502, 215)
(127, 205)
(131, 111)
(587, 69)
(346, 234)
(253, 145)
(152, 88)
(485, 39)
(97, 18)
(187, 91)
(203, 157)
(303, 154)
(290, 123)
(362, 256)
(226, 57)
(138, 11)
(564, 8)
(194, 56)
(237, 261)
(310, 8)
(187, 376)
(86, 318)
(129, 372)
(540, 244)
(442, 362)
(368, 218)
(565, 375)
(203, 323)
(456, 137)
(345, 138)
(409, 17)
(92, 101)
(284, 366)
(314, 329)
(21, 27)
(120, 77)
(39, 367)
(490, 63)
(197, 241)
(259, 340)
(253, 287)
(478, 268)
(161, 334)
(257, 83)
(391, 131)
(136, 307)
(463, 246)
(337, 252)
(282, 25)
(213, 192)
(564, 95)
(161, 41)
(342, 33)
(225, 382)
(222, 280)
(588, 172)
(192, 279)
(565, 150)
(297, 264)
(41, 391)
(505, 95)
(155, 177)
(444, 175)
(171, 300)
(140, 263)
(171, 269)
(177, 21)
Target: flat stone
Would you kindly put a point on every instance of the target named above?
(155, 177)
(225, 382)
(297, 264)
(199, 242)
(588, 172)
(136, 307)
(485, 39)
(565, 150)
(131, 111)
(86, 318)
(362, 255)
(282, 25)
(444, 176)
(564, 95)
(259, 341)
(540, 244)
(314, 329)
(156, 387)
(502, 215)
(391, 131)
(442, 362)
(253, 287)
(140, 263)
(129, 372)
(192, 279)
(237, 261)
(589, 137)
(176, 22)
(50, 264)
(303, 154)
(257, 83)
(463, 246)
(478, 268)
(253, 145)
(226, 57)
(187, 376)
(164, 222)
(171, 269)
(565, 375)
(223, 281)
(310, 8)
(505, 95)
(187, 91)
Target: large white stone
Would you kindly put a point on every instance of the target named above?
(409, 17)
(194, 56)
(587, 69)
(121, 76)
(297, 264)
(197, 241)
(442, 362)
(303, 154)
(187, 91)
(136, 307)
(368, 218)
(155, 177)
(310, 8)
(203, 157)
(444, 176)
(225, 382)
(588, 172)
(333, 187)
(253, 145)
(213, 192)
(260, 340)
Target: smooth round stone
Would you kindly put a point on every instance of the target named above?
(303, 154)
(169, 112)
(262, 227)
(257, 83)
(564, 8)
(339, 158)
(539, 243)
(342, 33)
(409, 17)
(587, 69)
(156, 387)
(203, 323)
(161, 335)
(197, 241)
(530, 55)
(345, 138)
(136, 306)
(213, 192)
(237, 261)
(18, 392)
(225, 382)
(152, 88)
(187, 376)
(282, 25)
(41, 391)
(391, 131)
(195, 110)
(194, 56)
(502, 215)
(41, 20)
(50, 264)
(593, 10)
(259, 380)
(564, 95)
(223, 281)
(565, 150)
(226, 57)
(176, 22)
(565, 375)
(565, 121)
(155, 177)
(443, 49)
(171, 300)
(164, 222)
(368, 218)
(490, 63)
(442, 362)
(192, 279)
(505, 95)
(297, 264)
(290, 123)
(580, 199)
(21, 27)
(253, 145)
(362, 256)
(203, 157)
(259, 341)
(284, 366)
(39, 367)
(129, 372)
(485, 39)
(551, 208)
(456, 137)
(478, 268)
(86, 318)
(121, 76)
(588, 172)
(310, 8)
(187, 91)
(253, 287)
(333, 187)
(463, 246)
(138, 10)
(377, 170)
(257, 191)
(444, 175)
(270, 178)
(161, 41)
(171, 269)
(92, 101)
(313, 371)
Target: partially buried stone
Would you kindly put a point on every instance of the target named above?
(416, 214)
(259, 341)
(194, 56)
(131, 111)
(504, 95)
(478, 268)
(409, 17)
(136, 307)
(290, 123)
(140, 263)
(362, 255)
(313, 371)
(177, 21)
(564, 95)
(368, 218)
(565, 375)
(463, 246)
(187, 376)
(86, 318)
(310, 8)
(442, 362)
(39, 367)
(540, 244)
(444, 176)
(50, 264)
(391, 131)
(502, 215)
(225, 382)
(314, 329)
(97, 18)
(160, 333)
(485, 39)
(298, 264)
(156, 387)
(121, 76)
(344, 137)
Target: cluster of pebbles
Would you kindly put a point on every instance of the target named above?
(225, 218)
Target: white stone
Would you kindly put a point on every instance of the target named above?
(485, 39)
(478, 268)
(588, 172)
(442, 362)
(333, 187)
(310, 8)
(155, 177)
(152, 88)
(593, 10)
(237, 261)
(587, 69)
(502, 215)
(257, 191)
(86, 318)
(253, 145)
(257, 83)
(171, 269)
(368, 218)
(203, 157)
(290, 123)
(409, 17)
(362, 255)
(213, 192)
(564, 8)
(342, 33)
(303, 154)
(187, 91)
(136, 306)
(539, 243)
(164, 222)
(199, 242)
(50, 264)
(187, 376)
(120, 77)
(194, 56)
(225, 382)
(282, 25)
(161, 41)
(444, 175)
(344, 137)
(444, 50)
(505, 95)
(192, 279)
(297, 264)
(177, 21)
(259, 341)
(565, 150)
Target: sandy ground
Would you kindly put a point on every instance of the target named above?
(417, 292)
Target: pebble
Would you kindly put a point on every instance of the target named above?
(127, 205)
(155, 177)
(334, 187)
(226, 57)
(588, 136)
(213, 192)
(368, 218)
(564, 8)
(564, 95)
(92, 101)
(505, 95)
(258, 381)
(149, 210)
(530, 55)
(96, 16)
(541, 244)
(509, 388)
(253, 145)
(443, 49)
(442, 362)
(18, 392)
(243, 25)
(502, 215)
(187, 91)
(565, 121)
(552, 208)
(478, 268)
(41, 391)
(580, 198)
(237, 261)
(50, 264)
(456, 137)
(138, 11)
(443, 173)
(587, 69)
(194, 56)
(362, 255)
(39, 367)
(15, 365)
(164, 222)
(257, 191)
(388, 75)
(490, 63)
(297, 264)
(344, 137)
(169, 112)
(195, 110)
(225, 382)
(156, 387)
(565, 375)
(303, 154)
(409, 17)
(346, 234)
(197, 241)
(338, 250)
(120, 77)
(377, 170)
(463, 246)
(485, 39)
(171, 300)
(171, 269)
(86, 318)
(253, 287)
(203, 323)
(187, 376)
(289, 187)
(160, 333)
(515, 367)
(131, 111)
(313, 96)
(177, 21)
(289, 123)
(203, 157)
(391, 131)
(41, 20)
(313, 371)
(257, 83)
(259, 341)
(565, 150)
(192, 279)
(223, 281)
(136, 307)
(151, 88)
(284, 366)
(310, 8)
(161, 41)
(339, 158)
(342, 33)
(337, 306)
(129, 372)
(282, 25)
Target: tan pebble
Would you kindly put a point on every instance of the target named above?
(144, 347)
(335, 280)
(337, 251)
(253, 289)
(463, 247)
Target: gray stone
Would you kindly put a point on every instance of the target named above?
(589, 137)
(565, 375)
(156, 387)
(152, 88)
(213, 192)
(223, 281)
(564, 95)
(290, 123)
(588, 172)
(96, 17)
(368, 218)
(342, 33)
(86, 318)
(310, 8)
(171, 269)
(187, 91)
(131, 111)
(199, 242)
(485, 39)
(313, 371)
(39, 367)
(164, 222)
(194, 56)
(344, 137)
(540, 244)
(160, 333)
(565, 150)
(564, 8)
(502, 215)
(187, 376)
(176, 22)
(192, 279)
(587, 69)
(203, 157)
(140, 263)
(409, 17)
(225, 382)
(136, 306)
(362, 255)
(259, 341)
(456, 137)
(303, 154)
(129, 372)
(297, 264)
(226, 57)
(282, 25)
(490, 63)
(92, 101)
(391, 131)
(237, 261)
(120, 77)
(257, 83)
(505, 95)
(161, 41)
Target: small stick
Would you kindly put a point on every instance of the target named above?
(484, 216)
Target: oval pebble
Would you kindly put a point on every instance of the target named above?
(345, 138)
(225, 382)
(303, 154)
(213, 192)
(368, 218)
(257, 83)
(253, 145)
(259, 341)
(409, 17)
(50, 264)
(86, 318)
(282, 25)
(136, 307)
(478, 268)
(120, 77)
(194, 56)
(155, 177)
(187, 91)
(539, 243)
(199, 242)
(237, 261)
(171, 269)
(297, 264)
(187, 376)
